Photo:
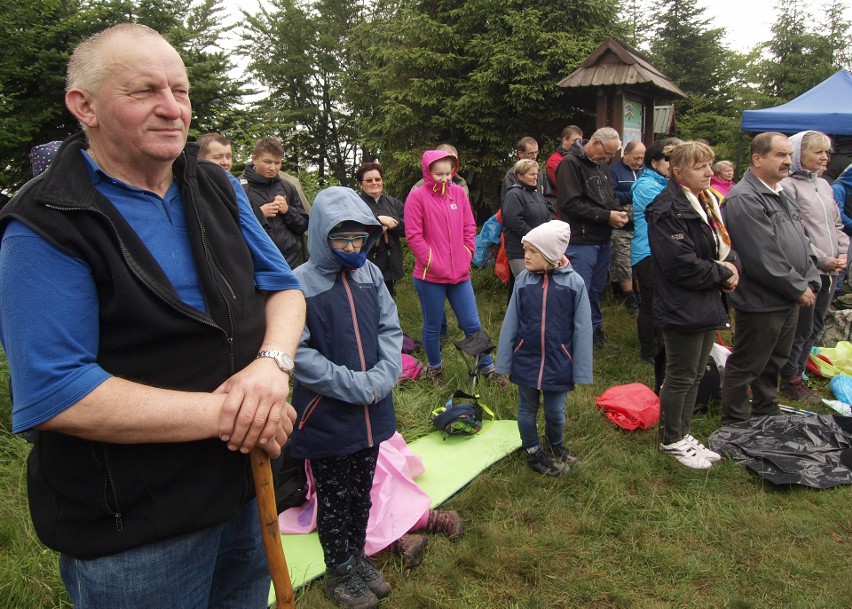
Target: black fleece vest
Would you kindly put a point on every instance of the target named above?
(90, 499)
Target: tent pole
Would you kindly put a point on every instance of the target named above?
(739, 154)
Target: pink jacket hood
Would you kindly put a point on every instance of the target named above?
(429, 157)
(439, 227)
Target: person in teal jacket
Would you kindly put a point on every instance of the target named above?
(644, 190)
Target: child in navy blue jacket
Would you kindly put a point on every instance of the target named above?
(546, 343)
(347, 365)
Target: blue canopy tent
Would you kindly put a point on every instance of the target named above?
(827, 108)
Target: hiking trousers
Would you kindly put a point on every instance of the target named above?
(762, 343)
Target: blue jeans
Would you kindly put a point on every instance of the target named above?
(223, 566)
(463, 302)
(592, 262)
(554, 415)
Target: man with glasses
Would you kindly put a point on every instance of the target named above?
(587, 203)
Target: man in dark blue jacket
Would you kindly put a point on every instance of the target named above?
(624, 173)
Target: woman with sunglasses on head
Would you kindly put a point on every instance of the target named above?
(644, 190)
(387, 253)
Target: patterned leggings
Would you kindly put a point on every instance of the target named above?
(343, 503)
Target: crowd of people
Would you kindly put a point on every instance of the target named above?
(155, 309)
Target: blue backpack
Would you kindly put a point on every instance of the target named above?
(460, 415)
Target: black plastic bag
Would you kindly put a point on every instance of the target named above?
(790, 449)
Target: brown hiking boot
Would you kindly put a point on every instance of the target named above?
(798, 391)
(436, 375)
(446, 522)
(410, 548)
(497, 379)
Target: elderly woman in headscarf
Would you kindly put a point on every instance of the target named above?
(821, 218)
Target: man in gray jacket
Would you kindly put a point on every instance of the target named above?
(778, 277)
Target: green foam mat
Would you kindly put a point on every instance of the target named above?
(450, 463)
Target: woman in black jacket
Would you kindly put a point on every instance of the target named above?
(524, 208)
(693, 266)
(387, 253)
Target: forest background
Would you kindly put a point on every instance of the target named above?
(341, 81)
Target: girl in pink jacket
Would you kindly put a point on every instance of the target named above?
(441, 233)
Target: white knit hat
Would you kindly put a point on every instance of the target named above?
(551, 239)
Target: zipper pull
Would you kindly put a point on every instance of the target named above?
(119, 525)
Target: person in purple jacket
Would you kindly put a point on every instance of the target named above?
(441, 233)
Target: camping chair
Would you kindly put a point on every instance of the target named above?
(474, 348)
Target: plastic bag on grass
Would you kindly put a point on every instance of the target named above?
(841, 386)
(787, 449)
(631, 406)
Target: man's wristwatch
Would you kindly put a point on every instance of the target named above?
(284, 361)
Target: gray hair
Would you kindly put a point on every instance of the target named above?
(87, 68)
(605, 134)
(720, 166)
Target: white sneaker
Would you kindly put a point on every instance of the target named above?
(711, 455)
(686, 454)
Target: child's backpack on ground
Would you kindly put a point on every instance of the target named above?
(460, 415)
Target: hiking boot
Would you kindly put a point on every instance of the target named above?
(343, 586)
(711, 455)
(446, 522)
(370, 576)
(543, 463)
(497, 379)
(600, 340)
(686, 454)
(410, 548)
(560, 455)
(436, 375)
(798, 391)
(632, 305)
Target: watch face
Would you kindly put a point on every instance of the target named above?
(285, 362)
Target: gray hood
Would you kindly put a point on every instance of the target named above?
(331, 207)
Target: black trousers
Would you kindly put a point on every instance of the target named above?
(343, 503)
(650, 336)
(762, 343)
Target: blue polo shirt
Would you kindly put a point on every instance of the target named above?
(50, 328)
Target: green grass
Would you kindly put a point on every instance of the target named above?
(630, 528)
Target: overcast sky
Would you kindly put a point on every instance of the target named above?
(746, 22)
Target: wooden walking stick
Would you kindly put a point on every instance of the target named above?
(262, 473)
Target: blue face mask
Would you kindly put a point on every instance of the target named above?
(351, 260)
